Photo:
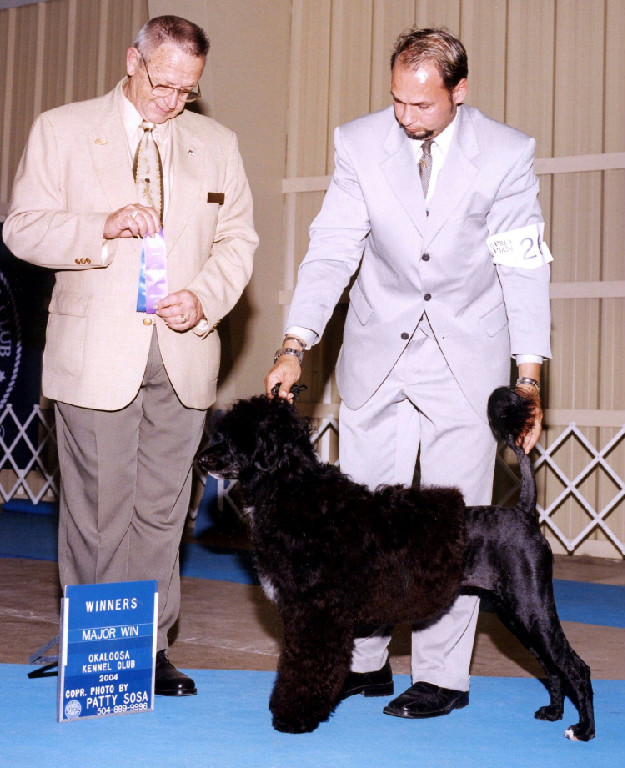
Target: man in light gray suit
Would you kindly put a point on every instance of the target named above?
(433, 206)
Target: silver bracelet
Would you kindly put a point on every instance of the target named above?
(289, 351)
(525, 381)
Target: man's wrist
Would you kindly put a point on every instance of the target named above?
(295, 339)
(528, 382)
(298, 353)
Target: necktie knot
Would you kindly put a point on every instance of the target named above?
(147, 126)
(425, 165)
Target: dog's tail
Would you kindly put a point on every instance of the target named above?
(510, 415)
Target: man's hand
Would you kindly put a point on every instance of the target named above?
(181, 311)
(530, 435)
(285, 373)
(134, 220)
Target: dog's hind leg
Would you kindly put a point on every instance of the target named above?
(565, 670)
(555, 709)
(312, 668)
(513, 560)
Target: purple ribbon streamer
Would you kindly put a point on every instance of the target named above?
(153, 273)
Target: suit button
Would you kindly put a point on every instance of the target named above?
(426, 257)
(147, 321)
(405, 335)
(76, 261)
(427, 297)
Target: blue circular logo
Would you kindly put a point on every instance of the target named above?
(72, 709)
(10, 341)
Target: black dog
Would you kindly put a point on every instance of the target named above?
(331, 554)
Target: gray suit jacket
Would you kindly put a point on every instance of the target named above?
(373, 221)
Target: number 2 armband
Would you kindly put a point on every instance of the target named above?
(523, 248)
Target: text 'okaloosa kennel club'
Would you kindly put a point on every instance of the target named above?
(331, 554)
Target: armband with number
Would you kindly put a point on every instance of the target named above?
(523, 248)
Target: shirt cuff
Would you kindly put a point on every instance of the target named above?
(202, 328)
(305, 334)
(529, 359)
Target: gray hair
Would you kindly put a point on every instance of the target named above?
(172, 29)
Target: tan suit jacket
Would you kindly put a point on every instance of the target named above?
(74, 172)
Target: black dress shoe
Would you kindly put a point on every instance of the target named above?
(378, 683)
(168, 681)
(426, 700)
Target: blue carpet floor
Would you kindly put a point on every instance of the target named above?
(228, 725)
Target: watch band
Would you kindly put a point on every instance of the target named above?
(299, 354)
(525, 381)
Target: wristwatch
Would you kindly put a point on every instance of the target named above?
(299, 354)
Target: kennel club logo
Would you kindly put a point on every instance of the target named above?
(10, 341)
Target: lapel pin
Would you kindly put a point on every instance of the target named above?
(101, 141)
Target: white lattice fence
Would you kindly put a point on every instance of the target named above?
(28, 460)
(28, 470)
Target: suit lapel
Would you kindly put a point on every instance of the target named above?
(188, 161)
(456, 175)
(401, 172)
(109, 150)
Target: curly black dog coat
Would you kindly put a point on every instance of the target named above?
(331, 554)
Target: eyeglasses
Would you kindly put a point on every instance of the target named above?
(165, 91)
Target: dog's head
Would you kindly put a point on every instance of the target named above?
(257, 436)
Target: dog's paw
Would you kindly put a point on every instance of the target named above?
(294, 724)
(580, 733)
(549, 712)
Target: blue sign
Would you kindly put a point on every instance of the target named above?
(107, 649)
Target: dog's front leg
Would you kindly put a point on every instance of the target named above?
(312, 668)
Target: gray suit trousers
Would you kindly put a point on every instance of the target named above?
(125, 489)
(419, 414)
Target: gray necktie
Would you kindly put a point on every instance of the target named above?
(148, 170)
(425, 165)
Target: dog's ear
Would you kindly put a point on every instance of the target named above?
(270, 455)
(282, 437)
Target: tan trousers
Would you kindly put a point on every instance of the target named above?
(420, 413)
(125, 489)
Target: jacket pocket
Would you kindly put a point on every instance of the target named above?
(360, 305)
(66, 334)
(495, 320)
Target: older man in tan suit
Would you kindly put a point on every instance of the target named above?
(132, 382)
